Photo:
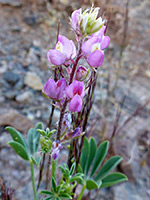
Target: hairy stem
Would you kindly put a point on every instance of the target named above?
(82, 192)
(33, 180)
(47, 171)
(54, 167)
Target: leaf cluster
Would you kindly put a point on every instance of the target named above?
(26, 149)
(67, 183)
(96, 174)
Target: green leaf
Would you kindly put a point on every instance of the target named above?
(37, 135)
(31, 143)
(100, 156)
(19, 149)
(108, 166)
(113, 179)
(91, 184)
(92, 152)
(49, 198)
(16, 136)
(65, 196)
(53, 184)
(80, 169)
(72, 168)
(76, 178)
(84, 155)
(36, 160)
(46, 192)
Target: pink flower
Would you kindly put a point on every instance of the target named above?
(62, 53)
(75, 92)
(81, 73)
(76, 20)
(93, 48)
(55, 90)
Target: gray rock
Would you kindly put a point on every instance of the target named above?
(13, 3)
(10, 94)
(33, 80)
(11, 77)
(26, 97)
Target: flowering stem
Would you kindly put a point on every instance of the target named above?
(82, 192)
(65, 103)
(33, 180)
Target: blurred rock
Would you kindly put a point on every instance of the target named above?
(26, 97)
(11, 77)
(16, 120)
(10, 94)
(13, 3)
(33, 81)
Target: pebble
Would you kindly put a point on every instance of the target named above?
(26, 97)
(11, 77)
(33, 80)
(10, 94)
(13, 3)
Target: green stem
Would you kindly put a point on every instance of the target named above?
(33, 180)
(82, 191)
(54, 167)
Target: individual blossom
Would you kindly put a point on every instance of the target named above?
(76, 20)
(81, 73)
(75, 93)
(56, 146)
(63, 52)
(93, 48)
(73, 134)
(55, 90)
(86, 23)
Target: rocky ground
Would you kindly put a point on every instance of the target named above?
(28, 30)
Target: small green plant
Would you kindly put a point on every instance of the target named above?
(27, 151)
(97, 175)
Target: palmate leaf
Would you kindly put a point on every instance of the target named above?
(92, 151)
(20, 150)
(96, 178)
(17, 136)
(84, 155)
(100, 156)
(65, 196)
(113, 179)
(91, 184)
(34, 138)
(108, 166)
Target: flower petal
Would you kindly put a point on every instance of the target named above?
(50, 88)
(56, 57)
(105, 42)
(96, 58)
(86, 46)
(75, 104)
(68, 48)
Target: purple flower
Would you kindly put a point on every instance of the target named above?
(77, 132)
(73, 134)
(62, 53)
(75, 92)
(76, 20)
(56, 146)
(81, 73)
(93, 48)
(55, 90)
